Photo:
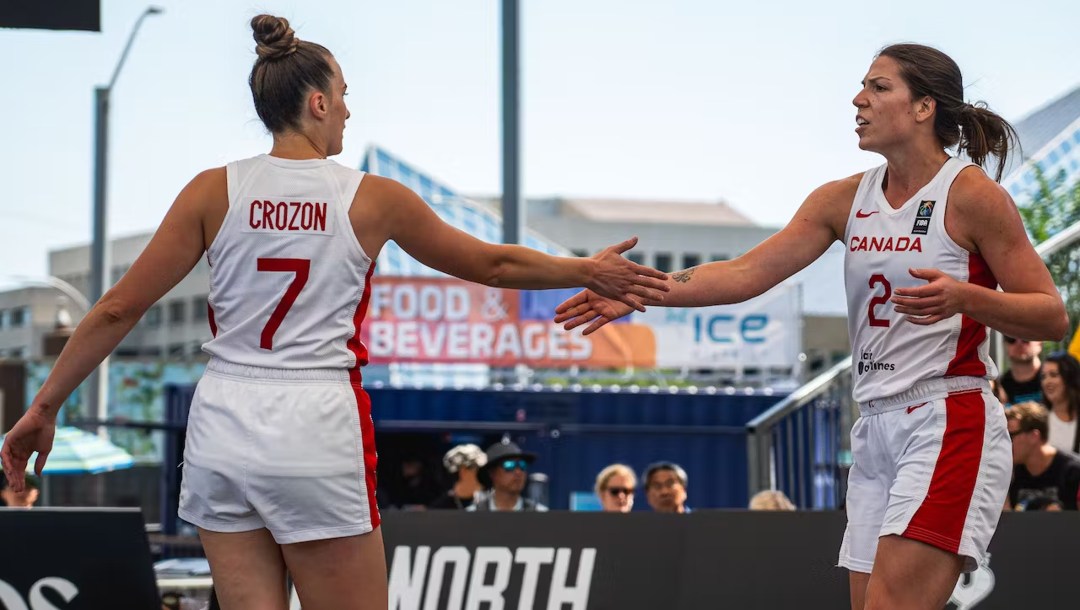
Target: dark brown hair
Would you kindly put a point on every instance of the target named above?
(287, 68)
(1031, 416)
(1069, 370)
(972, 128)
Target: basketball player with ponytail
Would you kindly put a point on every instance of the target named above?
(279, 461)
(929, 238)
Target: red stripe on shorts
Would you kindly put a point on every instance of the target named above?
(367, 436)
(363, 401)
(940, 519)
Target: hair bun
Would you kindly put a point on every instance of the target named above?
(274, 38)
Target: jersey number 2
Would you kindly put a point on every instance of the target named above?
(881, 299)
(299, 266)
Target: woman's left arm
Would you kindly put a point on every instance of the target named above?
(982, 218)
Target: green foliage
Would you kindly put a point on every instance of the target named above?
(1053, 207)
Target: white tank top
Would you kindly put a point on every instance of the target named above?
(890, 354)
(289, 282)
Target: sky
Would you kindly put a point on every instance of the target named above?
(678, 100)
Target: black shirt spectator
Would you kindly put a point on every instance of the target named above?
(1041, 473)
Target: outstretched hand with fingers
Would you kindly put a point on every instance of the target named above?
(587, 307)
(33, 432)
(623, 280)
(940, 298)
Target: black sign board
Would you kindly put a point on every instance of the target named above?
(51, 14)
(75, 559)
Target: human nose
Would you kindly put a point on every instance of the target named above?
(860, 100)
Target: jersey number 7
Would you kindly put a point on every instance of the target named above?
(299, 266)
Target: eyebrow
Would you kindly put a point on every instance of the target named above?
(874, 79)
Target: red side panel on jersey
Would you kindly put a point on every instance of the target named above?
(356, 346)
(210, 317)
(972, 333)
(940, 519)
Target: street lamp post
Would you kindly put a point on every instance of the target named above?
(98, 382)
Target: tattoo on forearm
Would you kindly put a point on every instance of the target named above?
(683, 276)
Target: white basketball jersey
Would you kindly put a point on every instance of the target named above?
(890, 354)
(289, 282)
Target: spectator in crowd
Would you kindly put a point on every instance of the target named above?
(1021, 381)
(615, 487)
(1061, 394)
(505, 475)
(665, 487)
(464, 462)
(412, 485)
(1041, 474)
(771, 499)
(20, 499)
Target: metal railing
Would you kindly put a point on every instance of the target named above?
(797, 445)
(801, 446)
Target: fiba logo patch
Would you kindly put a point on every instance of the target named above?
(922, 217)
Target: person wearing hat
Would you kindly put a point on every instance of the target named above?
(505, 475)
(21, 499)
(463, 461)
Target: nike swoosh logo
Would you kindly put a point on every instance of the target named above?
(913, 407)
(862, 214)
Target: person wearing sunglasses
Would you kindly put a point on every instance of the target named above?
(1021, 381)
(615, 487)
(505, 475)
(1042, 475)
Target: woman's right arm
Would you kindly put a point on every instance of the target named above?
(412, 224)
(172, 252)
(816, 225)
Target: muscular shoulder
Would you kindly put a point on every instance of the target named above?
(210, 186)
(974, 191)
(830, 203)
(979, 210)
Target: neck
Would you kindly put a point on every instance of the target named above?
(505, 500)
(1040, 460)
(296, 145)
(1025, 371)
(910, 170)
(1061, 410)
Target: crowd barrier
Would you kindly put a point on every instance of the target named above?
(92, 558)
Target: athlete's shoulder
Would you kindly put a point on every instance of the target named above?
(972, 187)
(839, 191)
(209, 186)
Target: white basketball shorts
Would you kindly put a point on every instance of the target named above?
(289, 450)
(932, 464)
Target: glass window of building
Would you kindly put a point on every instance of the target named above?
(690, 259)
(198, 309)
(719, 257)
(3, 319)
(153, 316)
(18, 317)
(176, 312)
(580, 252)
(663, 261)
(636, 257)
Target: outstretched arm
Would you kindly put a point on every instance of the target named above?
(171, 254)
(818, 223)
(420, 232)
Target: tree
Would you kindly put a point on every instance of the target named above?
(1053, 207)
